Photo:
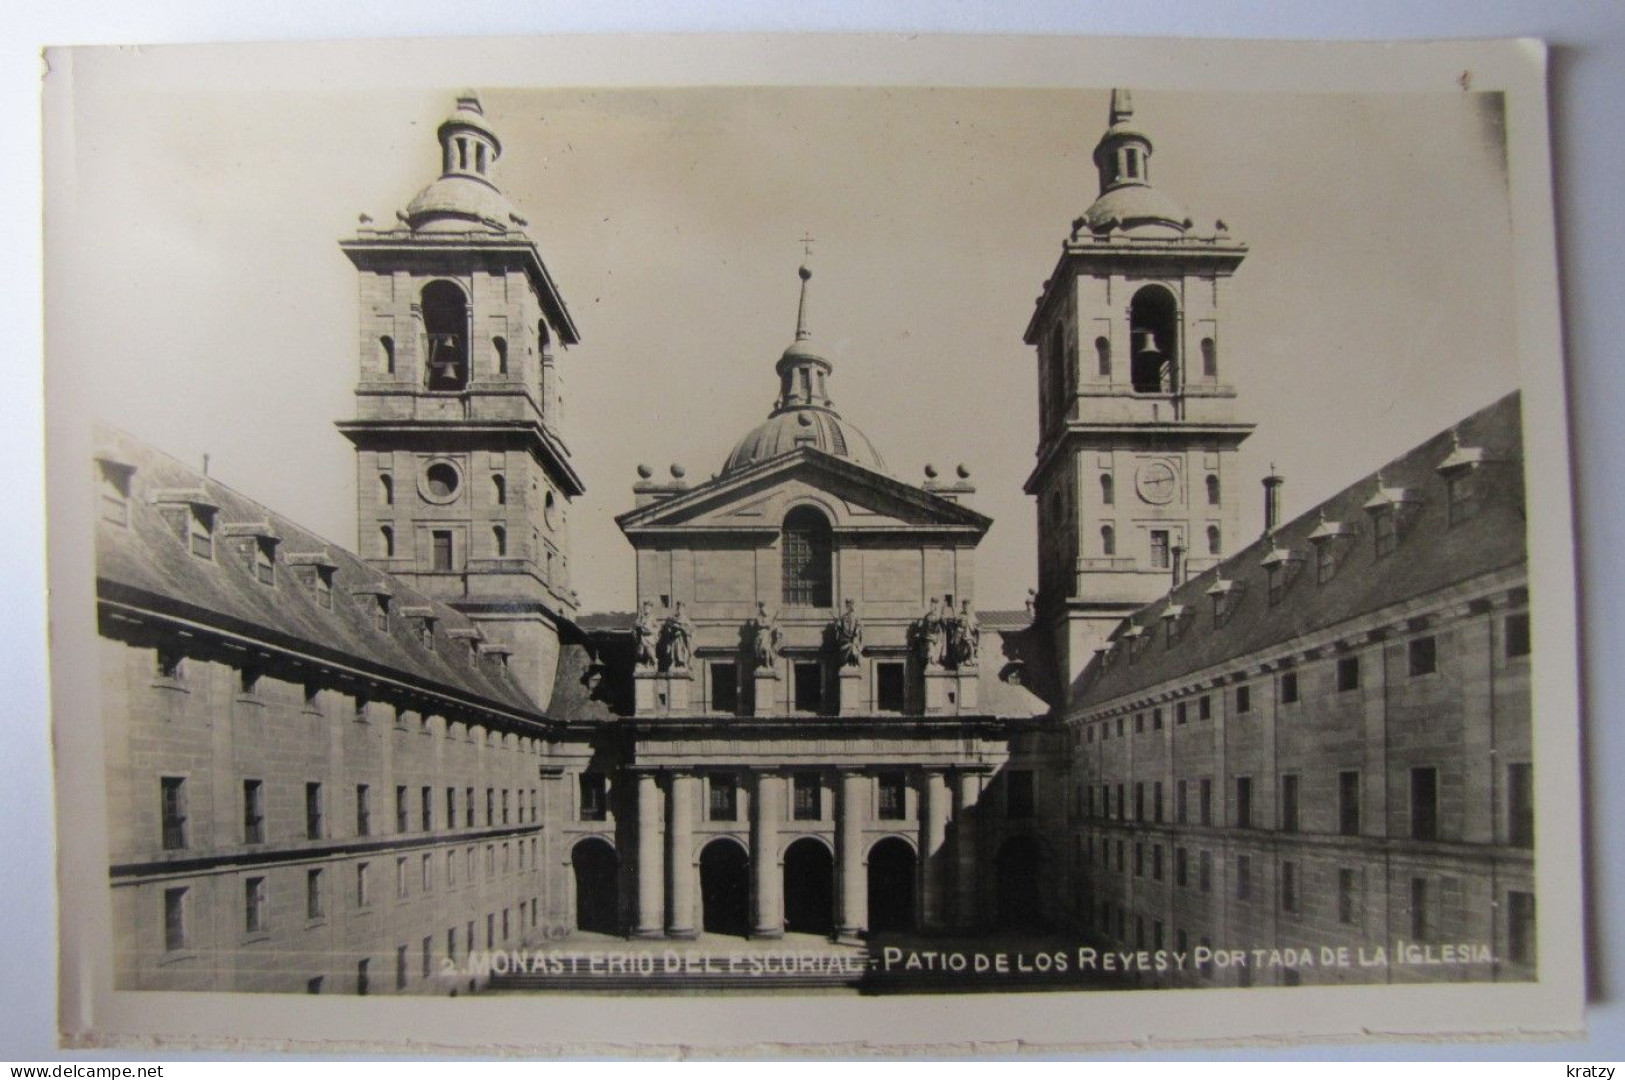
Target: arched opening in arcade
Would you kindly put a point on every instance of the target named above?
(809, 888)
(891, 886)
(725, 888)
(597, 893)
(1016, 876)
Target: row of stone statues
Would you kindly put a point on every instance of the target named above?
(946, 638)
(942, 637)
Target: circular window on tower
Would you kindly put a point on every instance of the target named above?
(441, 481)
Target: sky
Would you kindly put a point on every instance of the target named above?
(211, 310)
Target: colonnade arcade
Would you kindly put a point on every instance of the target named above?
(880, 858)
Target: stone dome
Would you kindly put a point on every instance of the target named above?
(454, 203)
(1132, 206)
(790, 429)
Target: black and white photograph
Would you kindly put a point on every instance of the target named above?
(970, 555)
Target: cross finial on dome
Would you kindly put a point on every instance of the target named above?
(1122, 105)
(469, 101)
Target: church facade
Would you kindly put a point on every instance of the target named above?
(346, 772)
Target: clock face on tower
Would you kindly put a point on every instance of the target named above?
(1155, 482)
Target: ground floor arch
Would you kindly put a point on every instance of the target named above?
(597, 873)
(725, 887)
(891, 886)
(809, 888)
(1017, 872)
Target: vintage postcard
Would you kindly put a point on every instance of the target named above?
(809, 545)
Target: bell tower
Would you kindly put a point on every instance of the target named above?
(1135, 478)
(464, 478)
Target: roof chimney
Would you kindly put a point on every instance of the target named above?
(1177, 563)
(1272, 499)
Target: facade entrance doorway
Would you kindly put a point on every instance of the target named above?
(1016, 875)
(725, 888)
(809, 888)
(891, 887)
(597, 895)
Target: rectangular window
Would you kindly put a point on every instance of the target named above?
(363, 810)
(403, 821)
(1205, 800)
(1018, 801)
(253, 812)
(809, 687)
(253, 905)
(441, 547)
(400, 967)
(1156, 802)
(594, 797)
(505, 807)
(1181, 867)
(1122, 803)
(1289, 803)
(1421, 925)
(1156, 719)
(1423, 654)
(1348, 673)
(264, 563)
(724, 798)
(1244, 700)
(314, 906)
(400, 877)
(1348, 803)
(1179, 713)
(1289, 687)
(1139, 800)
(200, 530)
(468, 808)
(1139, 723)
(808, 797)
(1159, 549)
(1346, 896)
(1244, 877)
(1244, 802)
(1517, 635)
(1182, 803)
(1204, 707)
(1289, 886)
(426, 872)
(1520, 805)
(1385, 531)
(889, 687)
(174, 919)
(1204, 871)
(426, 808)
(725, 688)
(490, 807)
(451, 868)
(1120, 863)
(427, 959)
(173, 812)
(1139, 859)
(313, 811)
(1156, 862)
(363, 890)
(1521, 927)
(1462, 495)
(451, 808)
(1425, 804)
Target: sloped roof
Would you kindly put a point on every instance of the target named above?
(146, 565)
(1431, 555)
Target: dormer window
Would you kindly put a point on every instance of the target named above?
(259, 548)
(1173, 618)
(1388, 507)
(315, 571)
(113, 490)
(1282, 565)
(1462, 493)
(1224, 595)
(191, 516)
(1327, 539)
(264, 556)
(497, 654)
(1386, 531)
(376, 599)
(423, 619)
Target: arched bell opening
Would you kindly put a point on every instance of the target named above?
(1154, 341)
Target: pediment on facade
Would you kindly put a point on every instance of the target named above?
(852, 497)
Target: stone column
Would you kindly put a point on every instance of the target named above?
(651, 864)
(680, 855)
(767, 882)
(933, 831)
(967, 789)
(853, 918)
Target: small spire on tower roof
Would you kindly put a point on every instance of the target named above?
(1122, 105)
(802, 333)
